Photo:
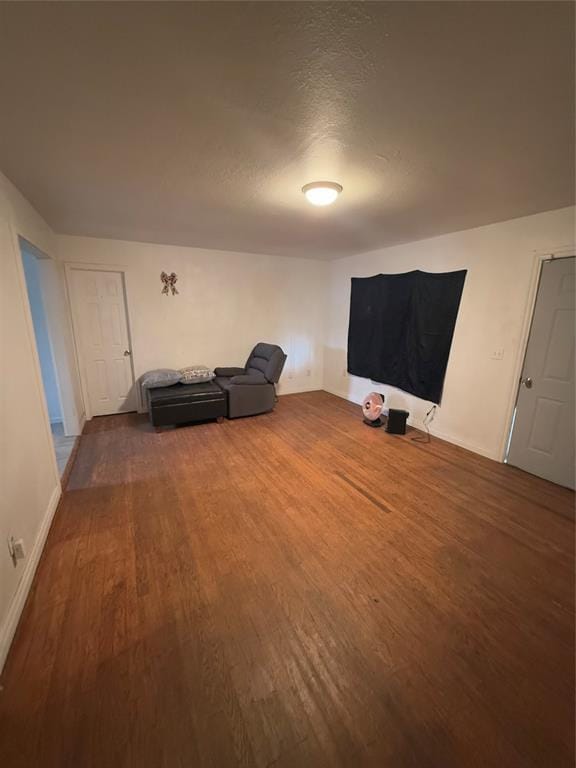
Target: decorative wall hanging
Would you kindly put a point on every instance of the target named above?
(169, 283)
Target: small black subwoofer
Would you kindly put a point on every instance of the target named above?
(397, 422)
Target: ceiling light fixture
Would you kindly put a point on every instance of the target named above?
(322, 192)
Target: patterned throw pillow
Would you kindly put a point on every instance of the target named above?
(194, 374)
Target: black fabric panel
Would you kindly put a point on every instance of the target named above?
(401, 329)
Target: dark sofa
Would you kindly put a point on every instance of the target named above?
(250, 390)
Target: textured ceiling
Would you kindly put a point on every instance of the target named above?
(198, 123)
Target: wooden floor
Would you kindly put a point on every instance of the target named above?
(297, 590)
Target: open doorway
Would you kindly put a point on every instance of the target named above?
(34, 272)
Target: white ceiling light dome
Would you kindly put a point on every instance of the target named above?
(322, 192)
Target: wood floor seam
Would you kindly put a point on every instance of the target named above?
(294, 591)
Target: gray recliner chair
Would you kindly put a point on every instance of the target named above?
(250, 390)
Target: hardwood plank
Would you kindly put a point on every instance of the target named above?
(295, 590)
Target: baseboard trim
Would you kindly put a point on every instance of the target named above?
(456, 441)
(434, 433)
(343, 395)
(8, 630)
(298, 388)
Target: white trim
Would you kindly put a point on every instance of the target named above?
(456, 441)
(67, 407)
(69, 268)
(65, 416)
(539, 259)
(8, 630)
(558, 252)
(79, 362)
(294, 388)
(33, 249)
(33, 346)
(64, 411)
(77, 357)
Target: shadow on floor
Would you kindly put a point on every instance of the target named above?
(62, 445)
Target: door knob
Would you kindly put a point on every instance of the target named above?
(527, 382)
(127, 353)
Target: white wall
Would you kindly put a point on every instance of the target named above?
(226, 303)
(501, 260)
(29, 481)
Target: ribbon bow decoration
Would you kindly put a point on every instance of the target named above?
(169, 283)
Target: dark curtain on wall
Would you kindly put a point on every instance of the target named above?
(401, 329)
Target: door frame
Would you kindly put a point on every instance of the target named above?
(23, 288)
(69, 269)
(566, 252)
(64, 365)
(39, 255)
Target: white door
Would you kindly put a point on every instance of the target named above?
(101, 330)
(543, 433)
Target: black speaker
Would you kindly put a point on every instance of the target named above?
(396, 422)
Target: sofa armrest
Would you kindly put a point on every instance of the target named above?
(249, 378)
(229, 371)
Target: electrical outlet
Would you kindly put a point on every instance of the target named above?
(16, 549)
(497, 354)
(19, 549)
(308, 372)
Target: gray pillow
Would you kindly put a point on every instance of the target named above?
(161, 377)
